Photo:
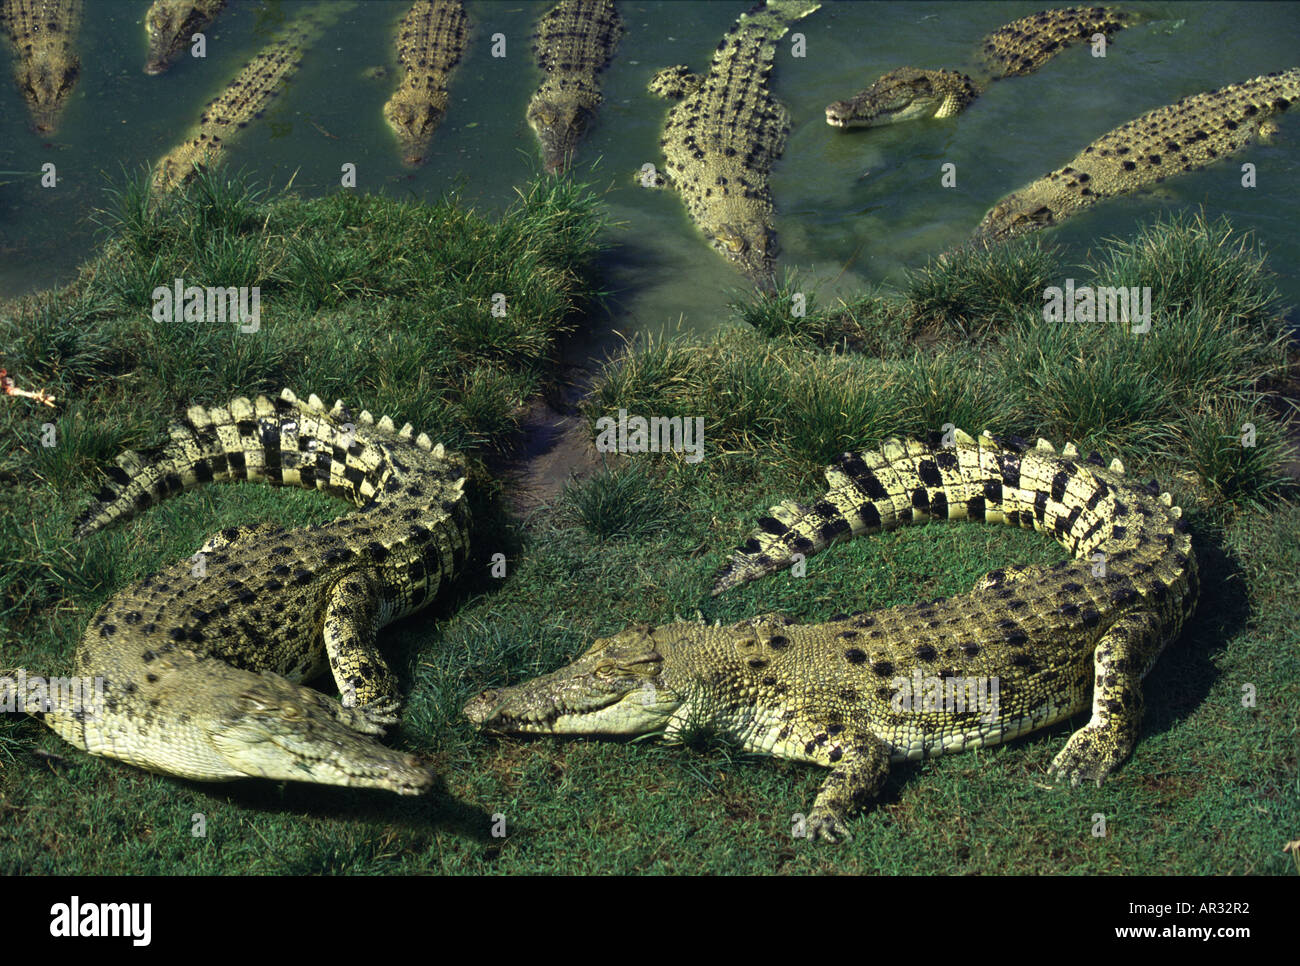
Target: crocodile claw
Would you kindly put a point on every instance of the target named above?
(824, 825)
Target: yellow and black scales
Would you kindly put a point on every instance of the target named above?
(822, 693)
(201, 661)
(721, 142)
(1195, 132)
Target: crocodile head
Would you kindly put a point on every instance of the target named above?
(277, 729)
(414, 121)
(1014, 217)
(903, 95)
(616, 687)
(163, 25)
(559, 123)
(46, 84)
(747, 243)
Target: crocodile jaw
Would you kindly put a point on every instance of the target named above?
(905, 94)
(278, 730)
(46, 89)
(615, 688)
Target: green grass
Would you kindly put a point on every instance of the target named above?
(389, 306)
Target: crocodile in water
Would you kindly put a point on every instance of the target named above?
(46, 65)
(840, 694)
(1020, 47)
(721, 141)
(243, 99)
(200, 662)
(171, 26)
(573, 43)
(430, 42)
(1191, 134)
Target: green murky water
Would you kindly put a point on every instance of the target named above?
(853, 207)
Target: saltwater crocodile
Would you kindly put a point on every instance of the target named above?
(573, 43)
(430, 42)
(243, 99)
(171, 26)
(46, 65)
(1021, 47)
(1191, 134)
(721, 141)
(200, 662)
(859, 691)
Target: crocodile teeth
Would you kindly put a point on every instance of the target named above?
(1069, 450)
(423, 441)
(385, 423)
(288, 396)
(406, 431)
(1043, 446)
(366, 418)
(314, 402)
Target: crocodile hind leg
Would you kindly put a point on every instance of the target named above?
(859, 763)
(363, 677)
(1121, 658)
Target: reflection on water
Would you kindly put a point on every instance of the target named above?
(853, 207)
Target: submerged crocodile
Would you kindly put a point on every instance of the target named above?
(721, 141)
(858, 692)
(1191, 134)
(430, 42)
(46, 65)
(200, 662)
(171, 25)
(573, 44)
(1021, 47)
(243, 99)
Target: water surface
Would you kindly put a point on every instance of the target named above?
(853, 207)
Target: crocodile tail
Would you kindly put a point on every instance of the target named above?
(996, 479)
(283, 441)
(1024, 45)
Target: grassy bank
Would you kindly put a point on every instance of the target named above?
(1212, 786)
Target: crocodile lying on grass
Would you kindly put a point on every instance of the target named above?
(171, 26)
(200, 661)
(1191, 134)
(1021, 47)
(430, 43)
(848, 694)
(721, 142)
(243, 99)
(46, 64)
(573, 44)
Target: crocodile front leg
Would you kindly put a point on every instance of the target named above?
(859, 763)
(1122, 656)
(364, 679)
